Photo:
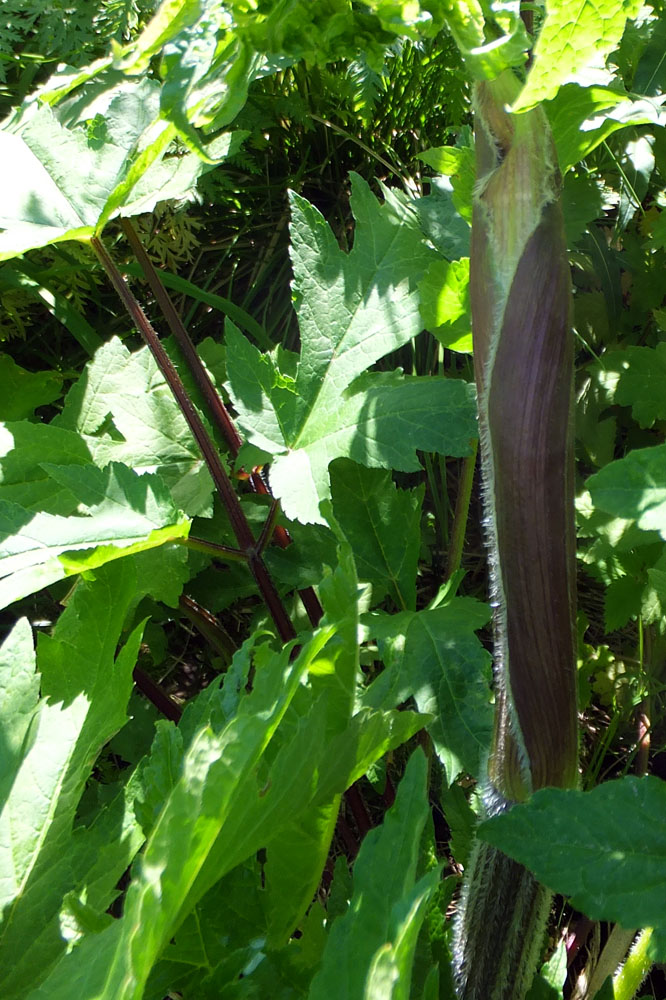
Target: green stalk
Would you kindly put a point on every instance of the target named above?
(523, 355)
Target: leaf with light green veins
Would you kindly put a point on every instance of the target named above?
(383, 526)
(85, 688)
(149, 432)
(435, 657)
(125, 513)
(641, 383)
(634, 487)
(612, 840)
(374, 941)
(572, 47)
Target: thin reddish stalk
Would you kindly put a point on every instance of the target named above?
(219, 413)
(239, 523)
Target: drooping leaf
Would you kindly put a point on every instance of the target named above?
(60, 182)
(634, 487)
(613, 839)
(371, 947)
(572, 46)
(124, 513)
(382, 525)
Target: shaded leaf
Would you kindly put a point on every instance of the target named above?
(23, 390)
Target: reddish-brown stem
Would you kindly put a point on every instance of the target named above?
(219, 413)
(153, 692)
(239, 523)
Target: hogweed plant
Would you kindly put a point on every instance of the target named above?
(250, 841)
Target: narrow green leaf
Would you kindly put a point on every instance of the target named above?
(613, 839)
(572, 46)
(386, 908)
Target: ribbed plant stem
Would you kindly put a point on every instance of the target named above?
(523, 359)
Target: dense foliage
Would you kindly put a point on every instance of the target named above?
(246, 696)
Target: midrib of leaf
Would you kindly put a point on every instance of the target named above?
(379, 537)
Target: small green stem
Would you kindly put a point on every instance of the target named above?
(225, 552)
(635, 969)
(462, 511)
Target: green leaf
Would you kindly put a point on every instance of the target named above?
(148, 431)
(382, 525)
(634, 488)
(581, 118)
(124, 513)
(434, 657)
(352, 309)
(23, 390)
(572, 46)
(613, 839)
(458, 163)
(641, 383)
(445, 306)
(581, 204)
(62, 182)
(371, 947)
(441, 221)
(23, 479)
(86, 688)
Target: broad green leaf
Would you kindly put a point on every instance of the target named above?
(581, 118)
(85, 688)
(634, 488)
(375, 939)
(466, 20)
(124, 513)
(380, 421)
(434, 657)
(641, 383)
(19, 695)
(572, 47)
(148, 431)
(383, 527)
(23, 479)
(650, 75)
(352, 309)
(581, 204)
(441, 221)
(65, 183)
(613, 839)
(445, 304)
(24, 390)
(56, 181)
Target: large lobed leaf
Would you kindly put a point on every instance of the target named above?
(634, 488)
(353, 309)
